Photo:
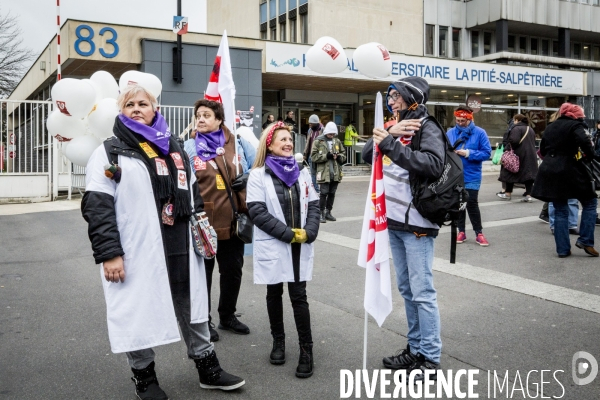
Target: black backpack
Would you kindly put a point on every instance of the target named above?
(440, 200)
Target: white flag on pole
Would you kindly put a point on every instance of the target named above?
(220, 85)
(373, 253)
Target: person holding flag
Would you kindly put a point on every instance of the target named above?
(412, 243)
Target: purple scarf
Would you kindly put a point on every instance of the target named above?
(157, 133)
(285, 168)
(207, 144)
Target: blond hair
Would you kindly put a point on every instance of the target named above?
(133, 90)
(262, 150)
(554, 116)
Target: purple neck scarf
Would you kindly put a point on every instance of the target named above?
(157, 133)
(207, 144)
(285, 168)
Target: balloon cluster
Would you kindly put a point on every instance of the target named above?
(327, 56)
(85, 110)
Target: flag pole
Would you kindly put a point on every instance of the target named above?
(237, 159)
(365, 340)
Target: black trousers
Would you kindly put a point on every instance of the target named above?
(327, 195)
(528, 187)
(230, 257)
(297, 292)
(474, 213)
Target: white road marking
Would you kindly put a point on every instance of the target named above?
(529, 287)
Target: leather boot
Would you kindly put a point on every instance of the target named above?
(328, 216)
(305, 362)
(322, 219)
(146, 384)
(277, 356)
(212, 375)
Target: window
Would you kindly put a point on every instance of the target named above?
(263, 35)
(586, 53)
(595, 2)
(282, 7)
(487, 42)
(303, 2)
(555, 48)
(263, 13)
(456, 42)
(511, 43)
(272, 9)
(577, 51)
(304, 28)
(292, 4)
(523, 45)
(596, 53)
(274, 33)
(533, 45)
(429, 35)
(474, 43)
(293, 37)
(545, 50)
(443, 41)
(282, 32)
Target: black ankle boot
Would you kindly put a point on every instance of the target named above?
(212, 375)
(146, 384)
(328, 216)
(322, 219)
(278, 353)
(305, 362)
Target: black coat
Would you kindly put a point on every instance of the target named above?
(561, 176)
(528, 166)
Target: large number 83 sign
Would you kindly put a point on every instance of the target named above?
(88, 39)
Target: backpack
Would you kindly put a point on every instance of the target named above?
(440, 200)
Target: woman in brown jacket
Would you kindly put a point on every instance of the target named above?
(214, 161)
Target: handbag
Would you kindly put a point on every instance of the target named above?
(204, 237)
(510, 161)
(243, 227)
(498, 155)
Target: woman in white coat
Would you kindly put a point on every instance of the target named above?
(284, 207)
(140, 194)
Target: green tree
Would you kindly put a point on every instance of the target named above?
(14, 58)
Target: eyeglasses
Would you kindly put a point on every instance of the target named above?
(394, 96)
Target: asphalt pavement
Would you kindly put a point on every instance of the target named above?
(513, 308)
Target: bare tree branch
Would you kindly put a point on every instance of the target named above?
(13, 56)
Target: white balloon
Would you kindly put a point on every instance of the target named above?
(81, 148)
(59, 124)
(74, 97)
(147, 81)
(107, 84)
(96, 89)
(326, 56)
(102, 118)
(248, 135)
(373, 60)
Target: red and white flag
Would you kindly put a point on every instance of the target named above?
(374, 253)
(220, 85)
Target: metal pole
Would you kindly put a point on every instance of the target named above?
(365, 341)
(178, 59)
(58, 70)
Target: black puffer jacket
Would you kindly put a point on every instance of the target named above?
(266, 222)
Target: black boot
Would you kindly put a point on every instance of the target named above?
(146, 384)
(212, 375)
(305, 362)
(277, 356)
(322, 219)
(328, 216)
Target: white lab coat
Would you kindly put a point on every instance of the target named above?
(140, 311)
(272, 257)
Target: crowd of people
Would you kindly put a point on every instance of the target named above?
(156, 284)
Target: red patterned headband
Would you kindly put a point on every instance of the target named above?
(277, 125)
(463, 114)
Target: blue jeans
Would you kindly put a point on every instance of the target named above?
(413, 260)
(561, 224)
(573, 213)
(313, 174)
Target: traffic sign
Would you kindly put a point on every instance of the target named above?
(11, 154)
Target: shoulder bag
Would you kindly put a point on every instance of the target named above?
(203, 235)
(243, 228)
(510, 161)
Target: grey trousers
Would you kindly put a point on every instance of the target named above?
(196, 336)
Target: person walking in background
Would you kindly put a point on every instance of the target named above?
(315, 129)
(138, 224)
(471, 143)
(290, 120)
(328, 156)
(521, 140)
(563, 175)
(269, 121)
(284, 207)
(350, 136)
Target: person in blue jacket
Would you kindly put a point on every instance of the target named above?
(471, 143)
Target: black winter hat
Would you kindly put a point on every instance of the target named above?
(413, 89)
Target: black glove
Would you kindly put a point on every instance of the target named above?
(240, 182)
(329, 156)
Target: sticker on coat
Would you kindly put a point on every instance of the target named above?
(220, 182)
(148, 150)
(199, 165)
(177, 160)
(161, 167)
(182, 180)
